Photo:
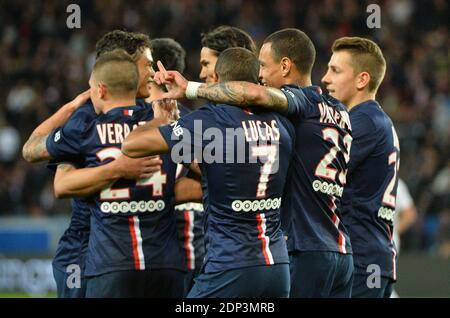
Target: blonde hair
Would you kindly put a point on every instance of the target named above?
(366, 57)
(118, 71)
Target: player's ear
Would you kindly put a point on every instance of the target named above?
(102, 90)
(215, 77)
(362, 80)
(285, 65)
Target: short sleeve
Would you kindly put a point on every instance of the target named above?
(185, 136)
(66, 141)
(297, 101)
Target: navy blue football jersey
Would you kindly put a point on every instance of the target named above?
(73, 244)
(190, 227)
(368, 204)
(190, 233)
(311, 216)
(244, 158)
(132, 222)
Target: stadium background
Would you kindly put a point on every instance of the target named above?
(44, 64)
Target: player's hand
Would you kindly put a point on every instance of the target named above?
(139, 168)
(166, 109)
(81, 99)
(175, 82)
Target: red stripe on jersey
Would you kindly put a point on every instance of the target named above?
(247, 111)
(134, 242)
(261, 235)
(186, 238)
(340, 243)
(389, 231)
(394, 269)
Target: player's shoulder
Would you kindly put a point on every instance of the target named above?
(313, 93)
(371, 111)
(330, 100)
(85, 112)
(84, 116)
(183, 109)
(212, 110)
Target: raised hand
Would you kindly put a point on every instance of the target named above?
(175, 82)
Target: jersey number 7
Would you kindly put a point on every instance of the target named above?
(270, 152)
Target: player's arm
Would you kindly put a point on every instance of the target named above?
(72, 182)
(406, 219)
(145, 140)
(188, 190)
(195, 168)
(236, 93)
(245, 94)
(35, 149)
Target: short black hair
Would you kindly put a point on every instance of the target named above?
(237, 64)
(134, 43)
(224, 37)
(295, 45)
(169, 52)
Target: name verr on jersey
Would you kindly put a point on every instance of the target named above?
(115, 133)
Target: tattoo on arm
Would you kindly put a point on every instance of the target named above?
(227, 93)
(275, 99)
(244, 94)
(35, 149)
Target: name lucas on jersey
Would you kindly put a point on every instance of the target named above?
(115, 133)
(256, 130)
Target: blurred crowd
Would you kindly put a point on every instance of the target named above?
(44, 64)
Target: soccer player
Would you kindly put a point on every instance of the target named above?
(355, 71)
(216, 41)
(318, 243)
(133, 249)
(73, 244)
(190, 214)
(246, 253)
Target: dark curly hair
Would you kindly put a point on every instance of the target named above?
(169, 52)
(133, 43)
(224, 37)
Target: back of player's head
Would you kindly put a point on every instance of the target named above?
(118, 72)
(169, 52)
(237, 64)
(224, 37)
(295, 45)
(133, 43)
(366, 57)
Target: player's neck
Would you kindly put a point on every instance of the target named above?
(302, 81)
(360, 98)
(107, 106)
